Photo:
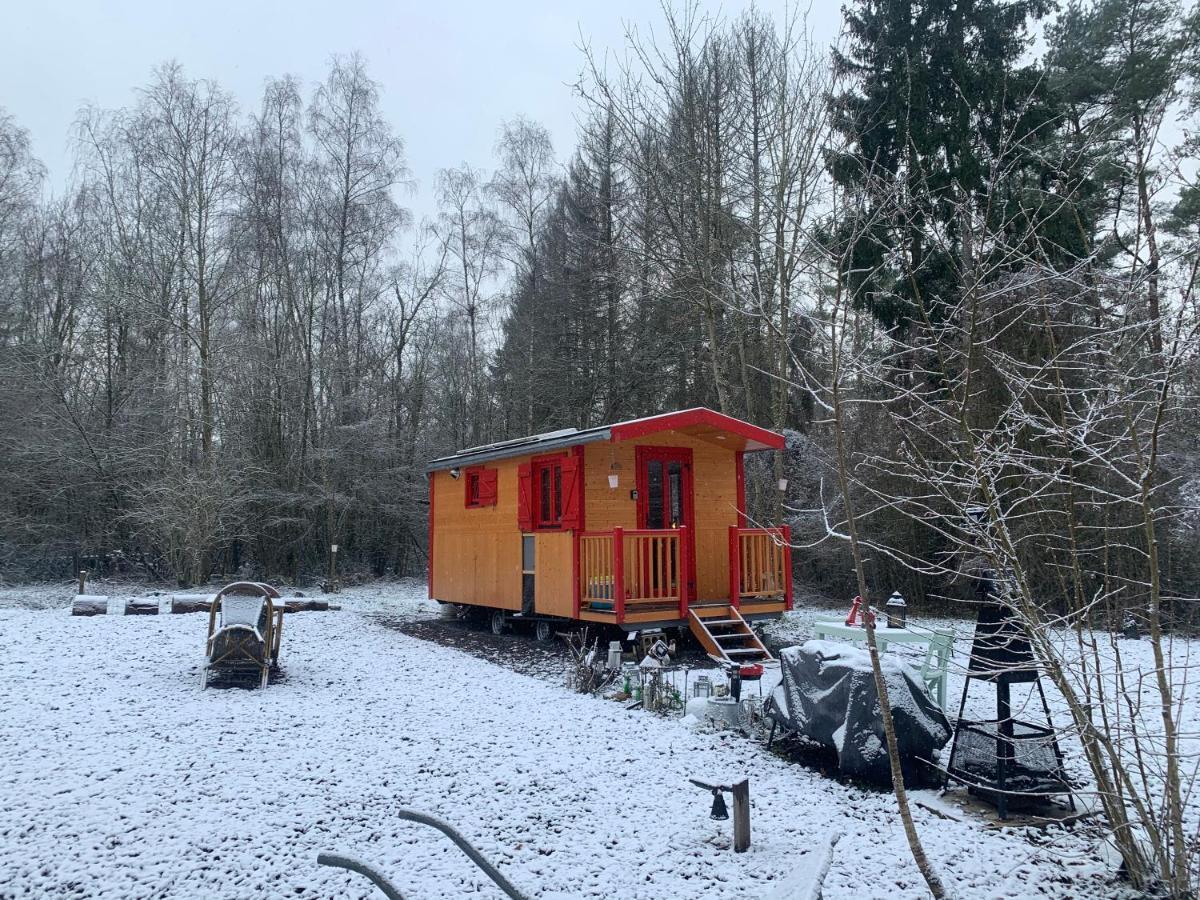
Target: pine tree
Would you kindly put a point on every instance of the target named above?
(935, 89)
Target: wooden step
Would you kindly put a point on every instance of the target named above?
(742, 636)
(720, 644)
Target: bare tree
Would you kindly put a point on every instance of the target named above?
(473, 236)
(191, 142)
(524, 184)
(1008, 393)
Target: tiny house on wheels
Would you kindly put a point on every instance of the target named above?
(640, 524)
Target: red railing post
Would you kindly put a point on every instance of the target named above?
(618, 558)
(735, 567)
(685, 571)
(786, 531)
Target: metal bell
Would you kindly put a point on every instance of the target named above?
(719, 811)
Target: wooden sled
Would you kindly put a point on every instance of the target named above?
(245, 624)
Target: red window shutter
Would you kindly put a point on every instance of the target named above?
(487, 487)
(525, 497)
(572, 492)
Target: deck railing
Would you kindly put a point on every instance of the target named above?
(760, 564)
(632, 570)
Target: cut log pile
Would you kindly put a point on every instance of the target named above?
(97, 605)
(89, 605)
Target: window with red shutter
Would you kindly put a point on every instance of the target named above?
(555, 492)
(480, 487)
(548, 492)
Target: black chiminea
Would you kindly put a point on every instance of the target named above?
(1005, 759)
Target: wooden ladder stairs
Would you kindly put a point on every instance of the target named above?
(725, 635)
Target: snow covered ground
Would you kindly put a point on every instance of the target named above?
(119, 777)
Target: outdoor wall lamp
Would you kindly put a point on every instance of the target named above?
(454, 473)
(614, 469)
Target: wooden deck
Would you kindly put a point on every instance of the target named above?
(762, 607)
(668, 613)
(642, 576)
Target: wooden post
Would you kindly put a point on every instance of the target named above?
(82, 581)
(618, 558)
(741, 809)
(333, 548)
(787, 566)
(735, 568)
(741, 815)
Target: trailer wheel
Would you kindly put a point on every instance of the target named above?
(544, 631)
(499, 621)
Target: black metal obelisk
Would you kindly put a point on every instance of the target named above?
(1004, 758)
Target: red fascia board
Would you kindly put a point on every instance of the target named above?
(756, 438)
(429, 559)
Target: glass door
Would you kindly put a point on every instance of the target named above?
(665, 501)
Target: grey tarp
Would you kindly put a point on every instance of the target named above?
(827, 695)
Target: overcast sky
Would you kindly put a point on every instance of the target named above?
(451, 70)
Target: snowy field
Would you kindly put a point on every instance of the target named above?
(119, 777)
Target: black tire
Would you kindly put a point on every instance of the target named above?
(544, 631)
(499, 622)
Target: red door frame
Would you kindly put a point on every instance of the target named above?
(643, 455)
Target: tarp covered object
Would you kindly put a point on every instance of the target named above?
(827, 695)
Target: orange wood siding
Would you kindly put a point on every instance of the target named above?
(714, 484)
(552, 594)
(477, 552)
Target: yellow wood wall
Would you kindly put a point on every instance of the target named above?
(477, 552)
(714, 480)
(553, 591)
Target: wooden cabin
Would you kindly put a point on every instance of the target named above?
(639, 524)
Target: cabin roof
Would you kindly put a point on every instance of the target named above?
(700, 422)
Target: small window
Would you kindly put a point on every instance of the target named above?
(549, 491)
(480, 485)
(527, 554)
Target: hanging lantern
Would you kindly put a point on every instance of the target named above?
(897, 611)
(719, 810)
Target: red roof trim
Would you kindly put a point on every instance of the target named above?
(756, 438)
